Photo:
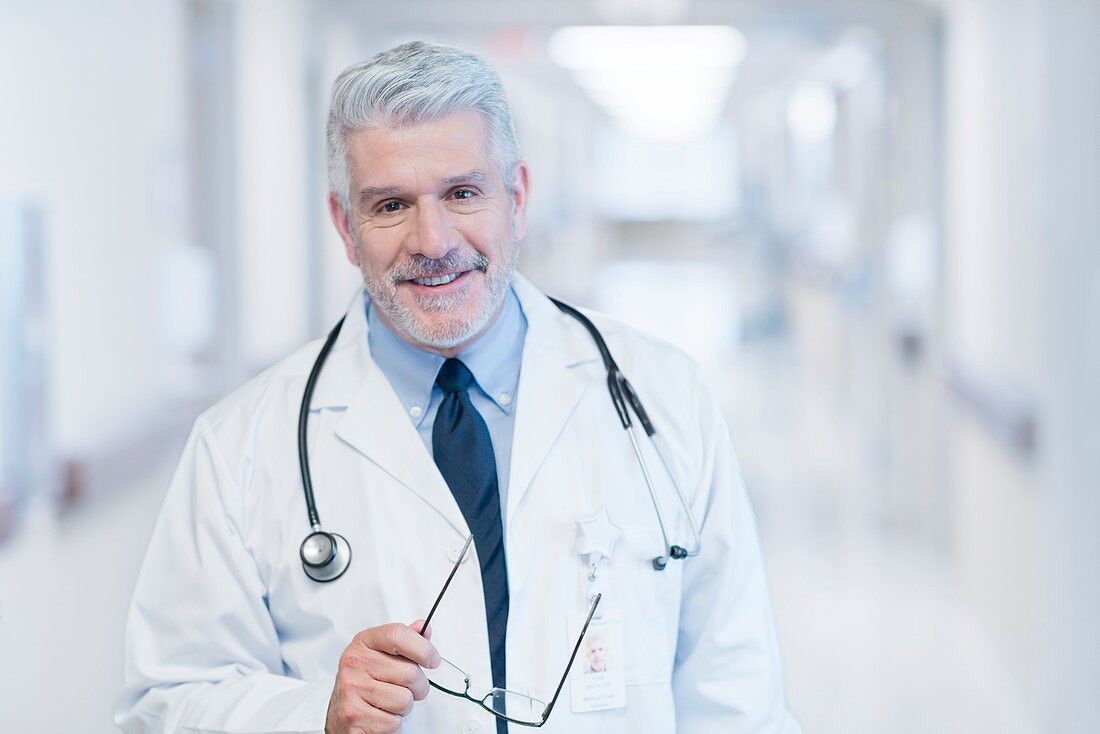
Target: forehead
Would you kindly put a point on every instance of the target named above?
(420, 153)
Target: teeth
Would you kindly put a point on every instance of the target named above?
(439, 280)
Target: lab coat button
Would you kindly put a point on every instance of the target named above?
(454, 552)
(471, 727)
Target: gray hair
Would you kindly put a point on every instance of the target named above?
(411, 83)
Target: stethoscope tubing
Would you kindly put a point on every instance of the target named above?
(626, 400)
(303, 420)
(623, 397)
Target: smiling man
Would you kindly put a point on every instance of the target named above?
(433, 225)
(482, 463)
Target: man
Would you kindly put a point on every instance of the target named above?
(596, 652)
(457, 402)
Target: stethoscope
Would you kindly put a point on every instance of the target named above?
(326, 556)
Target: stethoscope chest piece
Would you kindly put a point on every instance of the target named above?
(325, 556)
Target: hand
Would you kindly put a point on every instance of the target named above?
(379, 678)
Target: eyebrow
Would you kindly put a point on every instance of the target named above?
(371, 192)
(474, 176)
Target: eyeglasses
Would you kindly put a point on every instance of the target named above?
(517, 708)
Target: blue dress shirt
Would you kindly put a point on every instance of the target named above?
(494, 359)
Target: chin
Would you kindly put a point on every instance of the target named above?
(442, 329)
(444, 334)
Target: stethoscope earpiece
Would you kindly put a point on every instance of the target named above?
(325, 556)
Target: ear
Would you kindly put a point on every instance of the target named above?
(521, 186)
(339, 217)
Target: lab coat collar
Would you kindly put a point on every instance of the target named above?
(549, 391)
(348, 361)
(549, 387)
(352, 380)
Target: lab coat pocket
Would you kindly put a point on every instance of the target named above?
(649, 609)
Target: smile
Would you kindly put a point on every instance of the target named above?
(437, 280)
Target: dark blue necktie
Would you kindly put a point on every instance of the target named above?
(463, 452)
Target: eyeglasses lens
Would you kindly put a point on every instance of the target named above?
(515, 706)
(449, 677)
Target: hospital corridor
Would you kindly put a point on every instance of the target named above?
(874, 224)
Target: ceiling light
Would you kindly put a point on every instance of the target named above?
(660, 82)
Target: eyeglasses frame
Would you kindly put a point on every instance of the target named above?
(466, 695)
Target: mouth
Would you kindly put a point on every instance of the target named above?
(438, 284)
(436, 280)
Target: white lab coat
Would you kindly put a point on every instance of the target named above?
(227, 634)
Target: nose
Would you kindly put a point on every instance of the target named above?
(431, 235)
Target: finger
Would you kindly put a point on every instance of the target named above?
(351, 711)
(396, 700)
(378, 720)
(402, 672)
(403, 641)
(420, 687)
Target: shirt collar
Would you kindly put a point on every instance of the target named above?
(494, 360)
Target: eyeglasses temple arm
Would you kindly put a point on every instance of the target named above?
(569, 665)
(446, 584)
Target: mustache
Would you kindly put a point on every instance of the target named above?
(419, 266)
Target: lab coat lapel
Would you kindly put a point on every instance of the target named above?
(549, 389)
(375, 423)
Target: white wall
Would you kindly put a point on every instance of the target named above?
(1023, 182)
(340, 45)
(92, 129)
(1071, 345)
(273, 276)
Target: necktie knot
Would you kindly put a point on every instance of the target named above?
(454, 376)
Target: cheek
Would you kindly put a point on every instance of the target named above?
(491, 235)
(380, 251)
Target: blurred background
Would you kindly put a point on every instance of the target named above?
(876, 223)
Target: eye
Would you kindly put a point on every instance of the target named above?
(389, 207)
(464, 194)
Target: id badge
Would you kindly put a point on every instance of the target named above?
(598, 679)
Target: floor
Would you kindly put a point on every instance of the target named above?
(873, 630)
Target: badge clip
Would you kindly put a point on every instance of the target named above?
(596, 539)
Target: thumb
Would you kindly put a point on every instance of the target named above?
(418, 628)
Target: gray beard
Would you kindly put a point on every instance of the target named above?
(449, 333)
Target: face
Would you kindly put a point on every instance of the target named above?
(432, 228)
(597, 655)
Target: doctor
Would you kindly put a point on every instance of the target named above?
(456, 402)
